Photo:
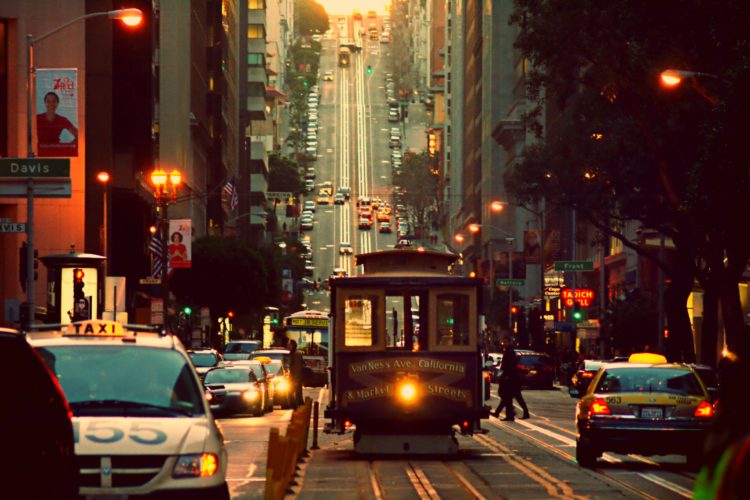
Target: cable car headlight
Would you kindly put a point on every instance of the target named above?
(407, 392)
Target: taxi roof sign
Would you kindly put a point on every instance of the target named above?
(95, 328)
(647, 357)
(264, 360)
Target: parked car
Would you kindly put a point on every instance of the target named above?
(309, 185)
(338, 199)
(328, 76)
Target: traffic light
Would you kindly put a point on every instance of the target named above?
(304, 83)
(577, 313)
(187, 310)
(369, 70)
(78, 284)
(230, 314)
(514, 310)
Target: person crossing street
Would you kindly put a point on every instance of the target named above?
(510, 385)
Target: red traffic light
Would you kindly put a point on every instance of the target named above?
(514, 310)
(230, 314)
(78, 274)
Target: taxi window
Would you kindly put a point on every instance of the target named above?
(123, 379)
(229, 376)
(257, 369)
(452, 319)
(242, 347)
(359, 320)
(649, 380)
(274, 368)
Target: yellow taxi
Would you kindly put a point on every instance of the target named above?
(141, 421)
(646, 406)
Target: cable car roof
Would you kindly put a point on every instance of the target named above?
(406, 260)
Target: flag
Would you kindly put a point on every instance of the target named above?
(155, 247)
(230, 191)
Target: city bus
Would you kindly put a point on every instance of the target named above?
(345, 54)
(310, 330)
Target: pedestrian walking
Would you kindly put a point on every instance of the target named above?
(296, 368)
(510, 386)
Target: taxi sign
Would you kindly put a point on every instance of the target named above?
(264, 360)
(95, 328)
(647, 357)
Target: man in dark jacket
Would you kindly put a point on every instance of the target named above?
(510, 385)
(296, 368)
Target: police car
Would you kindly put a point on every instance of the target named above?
(645, 406)
(141, 421)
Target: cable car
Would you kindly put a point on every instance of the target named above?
(405, 358)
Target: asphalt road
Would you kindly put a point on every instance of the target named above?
(527, 458)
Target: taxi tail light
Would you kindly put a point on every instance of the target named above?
(704, 410)
(600, 407)
(587, 375)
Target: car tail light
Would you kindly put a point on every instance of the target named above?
(704, 410)
(587, 375)
(523, 369)
(599, 407)
(486, 375)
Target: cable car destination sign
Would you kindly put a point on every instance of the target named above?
(584, 296)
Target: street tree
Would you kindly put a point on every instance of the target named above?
(226, 275)
(283, 174)
(311, 17)
(420, 188)
(619, 148)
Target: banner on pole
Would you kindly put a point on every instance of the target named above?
(57, 112)
(180, 238)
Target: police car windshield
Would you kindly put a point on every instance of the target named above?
(125, 380)
(235, 376)
(204, 359)
(650, 380)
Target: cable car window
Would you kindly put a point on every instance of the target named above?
(359, 320)
(406, 318)
(452, 319)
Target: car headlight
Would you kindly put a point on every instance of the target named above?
(250, 394)
(282, 385)
(200, 465)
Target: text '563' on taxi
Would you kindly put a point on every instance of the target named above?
(141, 421)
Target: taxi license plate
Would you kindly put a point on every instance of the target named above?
(652, 413)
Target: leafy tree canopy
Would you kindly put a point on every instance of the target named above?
(311, 17)
(226, 275)
(619, 147)
(283, 174)
(420, 187)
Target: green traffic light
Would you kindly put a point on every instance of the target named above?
(369, 70)
(304, 83)
(577, 315)
(187, 310)
(450, 321)
(275, 321)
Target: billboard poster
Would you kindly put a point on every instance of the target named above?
(179, 248)
(56, 99)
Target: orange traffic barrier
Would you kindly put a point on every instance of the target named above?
(285, 451)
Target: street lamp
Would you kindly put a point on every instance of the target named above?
(130, 17)
(104, 178)
(165, 187)
(672, 78)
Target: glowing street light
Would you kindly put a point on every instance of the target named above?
(497, 206)
(459, 238)
(671, 78)
(129, 17)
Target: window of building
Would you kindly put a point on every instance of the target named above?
(256, 60)
(255, 31)
(452, 319)
(256, 4)
(256, 89)
(360, 318)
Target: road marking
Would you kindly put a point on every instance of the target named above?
(464, 482)
(374, 482)
(676, 488)
(554, 486)
(417, 484)
(425, 482)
